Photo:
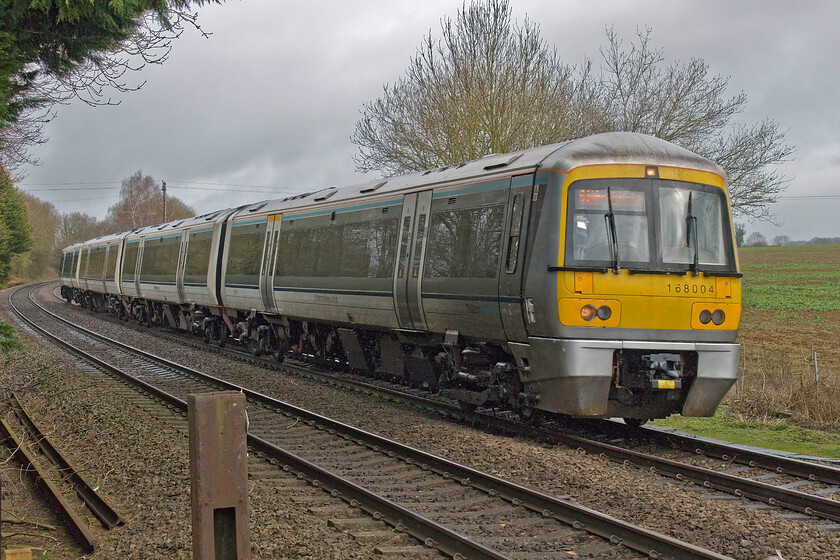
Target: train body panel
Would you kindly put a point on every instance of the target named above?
(597, 277)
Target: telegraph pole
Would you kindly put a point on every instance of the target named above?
(163, 188)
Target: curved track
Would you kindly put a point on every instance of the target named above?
(808, 488)
(413, 491)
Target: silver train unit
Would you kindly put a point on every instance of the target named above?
(593, 278)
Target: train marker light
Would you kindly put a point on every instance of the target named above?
(705, 316)
(718, 317)
(588, 312)
(604, 312)
(652, 172)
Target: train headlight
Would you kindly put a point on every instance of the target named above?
(718, 317)
(604, 312)
(705, 316)
(588, 312)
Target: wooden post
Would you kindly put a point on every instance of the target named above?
(219, 476)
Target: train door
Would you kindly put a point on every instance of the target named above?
(269, 262)
(410, 257)
(513, 256)
(138, 265)
(182, 260)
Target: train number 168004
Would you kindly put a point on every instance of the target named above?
(687, 288)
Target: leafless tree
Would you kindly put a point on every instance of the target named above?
(141, 204)
(780, 240)
(490, 85)
(755, 239)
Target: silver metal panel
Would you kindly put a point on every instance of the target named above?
(160, 292)
(717, 372)
(353, 309)
(571, 376)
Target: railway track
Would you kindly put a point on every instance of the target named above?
(457, 510)
(808, 489)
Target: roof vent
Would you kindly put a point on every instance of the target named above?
(326, 195)
(373, 187)
(503, 163)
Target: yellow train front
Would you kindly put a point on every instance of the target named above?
(636, 312)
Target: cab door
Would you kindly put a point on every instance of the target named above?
(269, 263)
(511, 275)
(410, 258)
(182, 260)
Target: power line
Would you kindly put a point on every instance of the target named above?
(119, 184)
(809, 196)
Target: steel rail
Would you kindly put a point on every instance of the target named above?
(429, 532)
(77, 527)
(96, 503)
(650, 543)
(739, 486)
(794, 500)
(777, 463)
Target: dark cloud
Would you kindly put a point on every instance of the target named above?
(272, 97)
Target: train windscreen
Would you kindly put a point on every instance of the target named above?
(649, 225)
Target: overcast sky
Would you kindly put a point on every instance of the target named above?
(267, 104)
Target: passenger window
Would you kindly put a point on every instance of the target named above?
(513, 237)
(406, 237)
(465, 243)
(418, 250)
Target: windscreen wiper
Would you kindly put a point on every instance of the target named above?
(612, 236)
(691, 224)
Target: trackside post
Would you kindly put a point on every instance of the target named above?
(219, 476)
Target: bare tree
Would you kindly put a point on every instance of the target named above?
(76, 227)
(755, 239)
(490, 85)
(780, 240)
(141, 204)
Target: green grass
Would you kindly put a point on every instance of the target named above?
(792, 279)
(8, 339)
(771, 435)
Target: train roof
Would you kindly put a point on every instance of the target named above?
(626, 148)
(183, 223)
(605, 148)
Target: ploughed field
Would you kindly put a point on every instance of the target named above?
(791, 310)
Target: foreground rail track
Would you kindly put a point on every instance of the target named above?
(457, 510)
(805, 487)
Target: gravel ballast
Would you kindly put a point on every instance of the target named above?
(143, 464)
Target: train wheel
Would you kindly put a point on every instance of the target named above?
(635, 422)
(533, 417)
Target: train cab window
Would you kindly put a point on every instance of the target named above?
(691, 219)
(590, 240)
(659, 225)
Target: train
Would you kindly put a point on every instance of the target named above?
(593, 278)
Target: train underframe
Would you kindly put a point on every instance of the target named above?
(644, 384)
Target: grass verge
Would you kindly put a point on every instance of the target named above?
(770, 434)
